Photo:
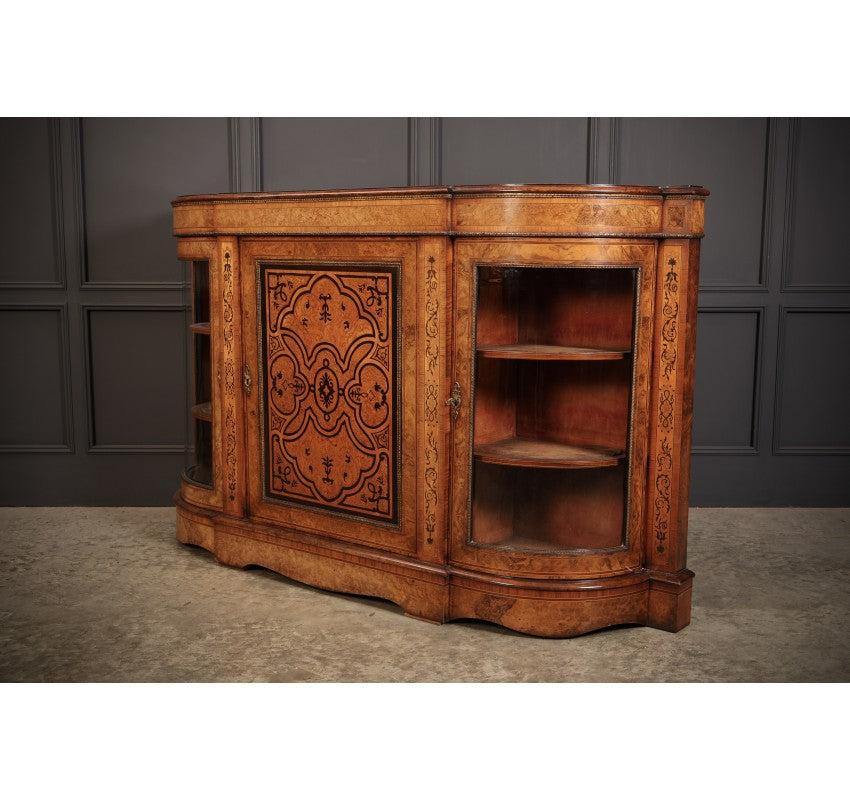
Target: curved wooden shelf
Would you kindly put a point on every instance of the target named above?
(202, 411)
(517, 452)
(199, 474)
(528, 544)
(548, 352)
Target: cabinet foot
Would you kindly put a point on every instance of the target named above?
(670, 600)
(194, 527)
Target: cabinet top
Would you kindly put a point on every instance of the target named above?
(506, 209)
(602, 189)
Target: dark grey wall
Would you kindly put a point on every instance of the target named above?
(93, 308)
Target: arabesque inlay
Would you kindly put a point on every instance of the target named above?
(329, 342)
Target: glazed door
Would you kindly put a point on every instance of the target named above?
(553, 352)
(336, 406)
(202, 481)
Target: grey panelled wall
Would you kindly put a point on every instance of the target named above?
(93, 305)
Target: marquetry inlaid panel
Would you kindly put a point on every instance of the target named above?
(330, 386)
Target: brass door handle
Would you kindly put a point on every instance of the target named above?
(454, 401)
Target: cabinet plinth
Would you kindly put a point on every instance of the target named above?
(471, 401)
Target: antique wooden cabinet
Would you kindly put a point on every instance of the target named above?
(472, 401)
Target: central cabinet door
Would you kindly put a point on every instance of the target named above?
(553, 350)
(334, 404)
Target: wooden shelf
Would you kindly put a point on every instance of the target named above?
(548, 352)
(200, 327)
(526, 544)
(202, 411)
(550, 455)
(199, 473)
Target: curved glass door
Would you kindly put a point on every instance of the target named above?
(551, 408)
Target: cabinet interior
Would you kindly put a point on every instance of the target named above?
(201, 292)
(200, 471)
(553, 378)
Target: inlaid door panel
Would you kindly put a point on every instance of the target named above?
(552, 354)
(336, 406)
(330, 386)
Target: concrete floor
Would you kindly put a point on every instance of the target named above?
(108, 594)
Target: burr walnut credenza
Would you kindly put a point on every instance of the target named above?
(473, 401)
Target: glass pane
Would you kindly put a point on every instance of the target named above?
(203, 369)
(201, 470)
(553, 377)
(200, 449)
(201, 291)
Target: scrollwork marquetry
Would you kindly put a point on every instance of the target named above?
(432, 355)
(666, 404)
(664, 464)
(432, 307)
(431, 487)
(431, 403)
(665, 409)
(330, 377)
(229, 377)
(227, 295)
(670, 312)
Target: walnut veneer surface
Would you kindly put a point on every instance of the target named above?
(473, 401)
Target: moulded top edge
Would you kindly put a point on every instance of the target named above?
(249, 197)
(577, 188)
(444, 191)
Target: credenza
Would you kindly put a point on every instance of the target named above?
(473, 401)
